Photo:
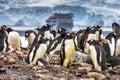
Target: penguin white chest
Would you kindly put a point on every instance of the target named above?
(14, 40)
(31, 38)
(91, 37)
(69, 48)
(117, 47)
(40, 52)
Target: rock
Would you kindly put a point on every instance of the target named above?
(19, 52)
(86, 65)
(96, 76)
(54, 59)
(86, 69)
(11, 60)
(2, 56)
(80, 57)
(5, 59)
(90, 79)
(2, 70)
(45, 76)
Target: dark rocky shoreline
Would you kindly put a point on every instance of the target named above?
(13, 67)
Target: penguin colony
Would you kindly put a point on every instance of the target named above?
(45, 41)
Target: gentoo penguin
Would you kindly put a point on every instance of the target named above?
(95, 33)
(3, 40)
(43, 31)
(30, 36)
(13, 40)
(97, 54)
(116, 28)
(37, 51)
(111, 37)
(67, 50)
(55, 44)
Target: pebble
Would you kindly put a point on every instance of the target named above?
(96, 76)
(11, 60)
(86, 69)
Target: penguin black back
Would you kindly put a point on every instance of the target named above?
(9, 30)
(3, 39)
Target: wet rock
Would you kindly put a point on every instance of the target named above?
(96, 76)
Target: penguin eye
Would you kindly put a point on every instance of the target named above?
(68, 34)
(26, 34)
(60, 30)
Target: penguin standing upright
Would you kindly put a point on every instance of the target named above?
(68, 50)
(97, 54)
(30, 36)
(55, 44)
(38, 51)
(13, 40)
(39, 47)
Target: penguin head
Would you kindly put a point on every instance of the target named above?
(46, 27)
(49, 35)
(4, 27)
(27, 33)
(2, 31)
(9, 30)
(53, 32)
(62, 30)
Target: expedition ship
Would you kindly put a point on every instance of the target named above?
(61, 20)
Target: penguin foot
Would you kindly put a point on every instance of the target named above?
(66, 61)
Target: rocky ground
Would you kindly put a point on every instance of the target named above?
(13, 67)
